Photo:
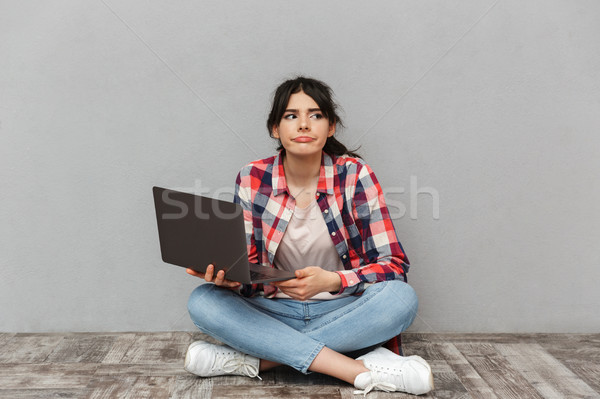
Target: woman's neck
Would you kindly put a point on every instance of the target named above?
(302, 171)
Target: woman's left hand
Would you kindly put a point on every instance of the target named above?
(309, 282)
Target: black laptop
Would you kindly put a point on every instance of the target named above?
(195, 231)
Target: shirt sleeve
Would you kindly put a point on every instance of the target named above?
(243, 196)
(382, 252)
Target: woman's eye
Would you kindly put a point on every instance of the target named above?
(289, 116)
(317, 116)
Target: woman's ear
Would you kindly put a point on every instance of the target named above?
(331, 129)
(275, 132)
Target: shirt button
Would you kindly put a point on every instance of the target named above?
(344, 256)
(326, 211)
(333, 233)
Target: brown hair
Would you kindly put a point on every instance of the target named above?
(323, 96)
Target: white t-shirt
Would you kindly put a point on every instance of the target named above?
(306, 242)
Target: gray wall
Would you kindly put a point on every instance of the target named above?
(491, 106)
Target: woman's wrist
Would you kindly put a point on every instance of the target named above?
(336, 282)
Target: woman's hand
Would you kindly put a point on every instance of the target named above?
(219, 279)
(309, 282)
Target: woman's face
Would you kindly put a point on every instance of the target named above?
(303, 129)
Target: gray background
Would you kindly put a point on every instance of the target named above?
(492, 106)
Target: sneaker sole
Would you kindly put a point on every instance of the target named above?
(431, 381)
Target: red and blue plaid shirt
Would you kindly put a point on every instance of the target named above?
(354, 210)
(352, 205)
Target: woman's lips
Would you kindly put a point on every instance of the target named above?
(303, 139)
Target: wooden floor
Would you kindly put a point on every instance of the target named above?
(150, 365)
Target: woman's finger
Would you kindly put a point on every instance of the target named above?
(211, 277)
(230, 284)
(194, 273)
(288, 291)
(225, 283)
(222, 282)
(220, 277)
(294, 282)
(208, 276)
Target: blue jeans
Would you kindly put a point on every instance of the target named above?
(293, 332)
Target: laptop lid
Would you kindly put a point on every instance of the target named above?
(195, 231)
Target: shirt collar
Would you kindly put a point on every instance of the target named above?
(325, 184)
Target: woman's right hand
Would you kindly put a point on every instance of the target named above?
(219, 279)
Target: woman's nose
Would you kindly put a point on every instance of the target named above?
(304, 124)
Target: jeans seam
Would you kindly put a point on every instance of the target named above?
(348, 308)
(312, 357)
(291, 316)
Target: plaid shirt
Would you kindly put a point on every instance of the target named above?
(352, 204)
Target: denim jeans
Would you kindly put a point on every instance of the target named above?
(293, 332)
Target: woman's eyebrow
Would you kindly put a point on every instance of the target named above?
(309, 110)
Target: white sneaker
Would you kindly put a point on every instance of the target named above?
(390, 372)
(209, 360)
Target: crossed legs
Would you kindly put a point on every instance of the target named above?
(306, 336)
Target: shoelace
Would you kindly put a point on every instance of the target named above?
(238, 364)
(378, 378)
(382, 386)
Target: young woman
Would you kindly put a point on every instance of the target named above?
(317, 209)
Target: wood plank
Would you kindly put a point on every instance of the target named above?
(120, 346)
(572, 340)
(428, 350)
(235, 380)
(500, 338)
(409, 338)
(44, 393)
(192, 387)
(123, 365)
(574, 346)
(146, 387)
(581, 354)
(588, 371)
(199, 336)
(468, 376)
(27, 348)
(276, 391)
(496, 371)
(82, 348)
(151, 348)
(447, 384)
(546, 374)
(108, 387)
(156, 370)
(45, 375)
(5, 337)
